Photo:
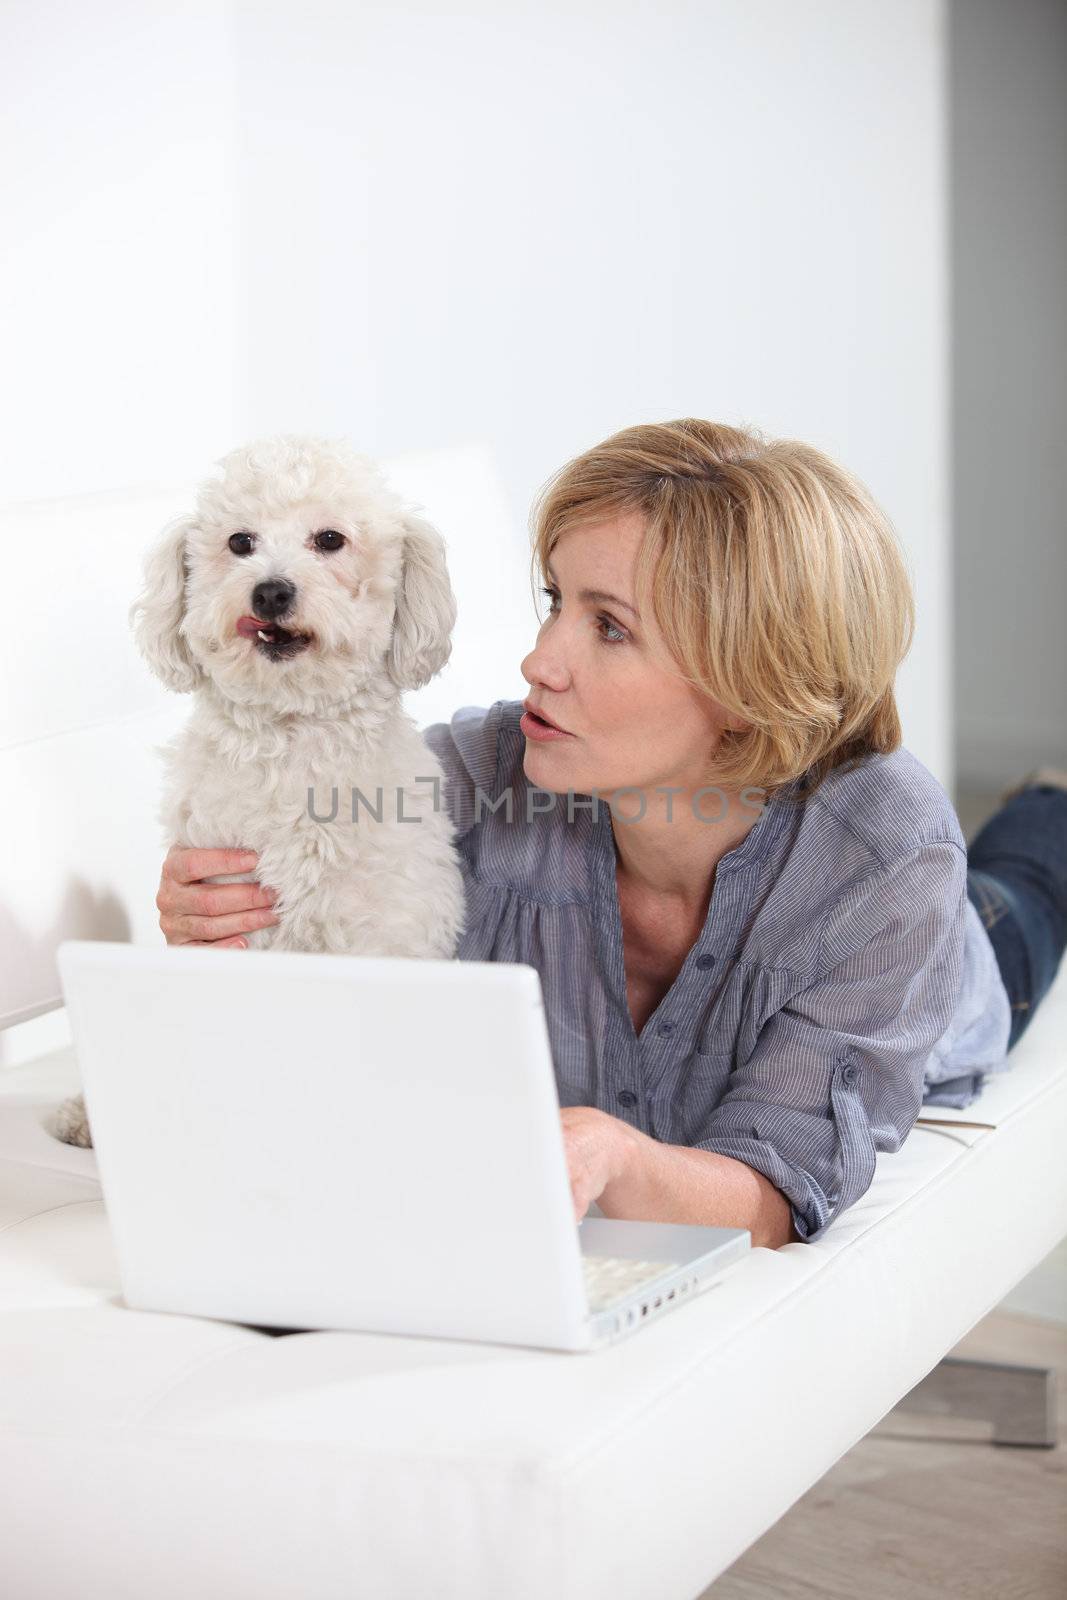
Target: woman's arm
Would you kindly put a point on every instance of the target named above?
(671, 1183)
(636, 1178)
(835, 1076)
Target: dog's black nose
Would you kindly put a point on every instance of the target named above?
(272, 598)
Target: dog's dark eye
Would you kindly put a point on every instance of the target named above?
(329, 539)
(242, 543)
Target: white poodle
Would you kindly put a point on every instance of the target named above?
(296, 605)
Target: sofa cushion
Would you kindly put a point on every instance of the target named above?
(147, 1453)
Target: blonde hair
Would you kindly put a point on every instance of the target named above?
(776, 581)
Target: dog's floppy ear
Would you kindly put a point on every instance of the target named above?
(156, 615)
(425, 609)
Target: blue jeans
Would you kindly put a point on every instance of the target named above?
(1017, 879)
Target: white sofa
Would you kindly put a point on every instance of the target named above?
(154, 1455)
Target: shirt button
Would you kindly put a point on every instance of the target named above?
(848, 1073)
(666, 1027)
(627, 1097)
(704, 962)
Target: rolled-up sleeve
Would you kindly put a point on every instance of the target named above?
(467, 748)
(837, 1074)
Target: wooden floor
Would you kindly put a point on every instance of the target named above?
(924, 1508)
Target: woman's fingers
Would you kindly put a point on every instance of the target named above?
(217, 899)
(209, 930)
(188, 863)
(194, 912)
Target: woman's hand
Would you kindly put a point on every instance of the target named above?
(214, 914)
(597, 1147)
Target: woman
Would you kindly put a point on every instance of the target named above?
(759, 942)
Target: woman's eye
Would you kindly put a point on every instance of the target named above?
(242, 544)
(613, 635)
(329, 539)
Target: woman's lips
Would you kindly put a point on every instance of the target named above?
(534, 728)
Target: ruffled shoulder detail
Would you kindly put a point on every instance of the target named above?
(467, 746)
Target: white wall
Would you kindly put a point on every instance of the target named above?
(1009, 266)
(515, 226)
(118, 287)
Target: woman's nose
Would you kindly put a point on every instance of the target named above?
(543, 665)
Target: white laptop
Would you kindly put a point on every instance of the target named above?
(316, 1141)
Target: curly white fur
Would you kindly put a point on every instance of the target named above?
(269, 738)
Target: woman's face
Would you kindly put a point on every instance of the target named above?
(632, 723)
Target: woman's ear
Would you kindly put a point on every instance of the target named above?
(157, 614)
(425, 609)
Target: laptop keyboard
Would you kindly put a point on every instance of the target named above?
(609, 1278)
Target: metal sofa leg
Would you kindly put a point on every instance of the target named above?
(1020, 1401)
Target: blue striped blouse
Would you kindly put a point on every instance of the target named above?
(841, 977)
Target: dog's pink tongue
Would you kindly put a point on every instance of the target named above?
(248, 627)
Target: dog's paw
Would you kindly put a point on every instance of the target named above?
(70, 1123)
